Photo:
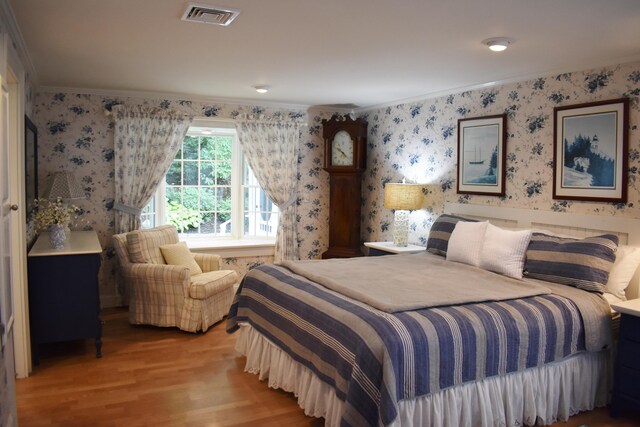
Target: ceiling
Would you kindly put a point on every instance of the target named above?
(328, 52)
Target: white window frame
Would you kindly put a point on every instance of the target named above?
(234, 243)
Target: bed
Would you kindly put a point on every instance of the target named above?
(523, 358)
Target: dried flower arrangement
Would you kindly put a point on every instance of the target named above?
(49, 212)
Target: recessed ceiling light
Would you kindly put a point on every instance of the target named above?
(498, 44)
(261, 88)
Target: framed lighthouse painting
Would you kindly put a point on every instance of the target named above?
(482, 155)
(591, 151)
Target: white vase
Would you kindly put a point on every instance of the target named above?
(57, 236)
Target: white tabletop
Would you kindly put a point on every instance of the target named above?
(391, 248)
(631, 307)
(79, 243)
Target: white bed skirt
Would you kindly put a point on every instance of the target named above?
(550, 393)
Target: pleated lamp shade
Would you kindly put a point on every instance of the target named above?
(401, 196)
(63, 185)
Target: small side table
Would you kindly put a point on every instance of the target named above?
(64, 298)
(626, 389)
(388, 248)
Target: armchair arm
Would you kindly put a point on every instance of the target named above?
(207, 262)
(158, 279)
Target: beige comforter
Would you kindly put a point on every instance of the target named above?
(410, 282)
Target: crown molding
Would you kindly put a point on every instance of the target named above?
(187, 97)
(9, 19)
(523, 78)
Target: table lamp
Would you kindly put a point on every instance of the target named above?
(402, 198)
(63, 185)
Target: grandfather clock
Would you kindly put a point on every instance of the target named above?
(345, 158)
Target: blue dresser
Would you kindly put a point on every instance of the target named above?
(64, 297)
(626, 385)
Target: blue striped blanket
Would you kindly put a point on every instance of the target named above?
(374, 359)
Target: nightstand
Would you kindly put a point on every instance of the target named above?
(626, 384)
(388, 248)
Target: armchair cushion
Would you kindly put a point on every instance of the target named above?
(206, 284)
(208, 262)
(144, 245)
(179, 254)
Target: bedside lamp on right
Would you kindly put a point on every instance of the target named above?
(402, 198)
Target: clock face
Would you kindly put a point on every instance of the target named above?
(342, 149)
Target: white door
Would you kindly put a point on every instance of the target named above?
(8, 415)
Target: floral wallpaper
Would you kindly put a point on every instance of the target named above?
(418, 141)
(76, 134)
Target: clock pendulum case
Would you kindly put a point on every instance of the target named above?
(345, 158)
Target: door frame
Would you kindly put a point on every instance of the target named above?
(16, 85)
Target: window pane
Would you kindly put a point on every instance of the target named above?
(207, 176)
(223, 173)
(190, 147)
(261, 215)
(223, 226)
(224, 201)
(250, 199)
(190, 173)
(190, 198)
(249, 224)
(208, 225)
(186, 220)
(223, 147)
(148, 214)
(174, 194)
(207, 148)
(174, 175)
(207, 199)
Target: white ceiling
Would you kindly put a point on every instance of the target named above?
(320, 52)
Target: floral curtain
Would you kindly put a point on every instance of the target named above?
(271, 148)
(146, 140)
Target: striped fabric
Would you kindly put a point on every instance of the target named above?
(144, 245)
(374, 359)
(583, 263)
(440, 233)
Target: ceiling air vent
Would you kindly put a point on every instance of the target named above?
(209, 14)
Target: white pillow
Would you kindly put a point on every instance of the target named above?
(465, 242)
(611, 299)
(504, 251)
(625, 266)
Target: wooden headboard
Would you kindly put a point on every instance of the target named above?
(627, 229)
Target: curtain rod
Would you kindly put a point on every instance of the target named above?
(214, 119)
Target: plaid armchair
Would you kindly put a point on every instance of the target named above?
(169, 295)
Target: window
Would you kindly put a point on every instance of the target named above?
(211, 192)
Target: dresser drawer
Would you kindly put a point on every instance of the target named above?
(630, 327)
(629, 354)
(627, 382)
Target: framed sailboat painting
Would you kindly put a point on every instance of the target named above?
(482, 155)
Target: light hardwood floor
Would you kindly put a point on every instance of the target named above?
(164, 377)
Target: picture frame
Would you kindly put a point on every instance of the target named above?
(590, 151)
(482, 155)
(30, 166)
